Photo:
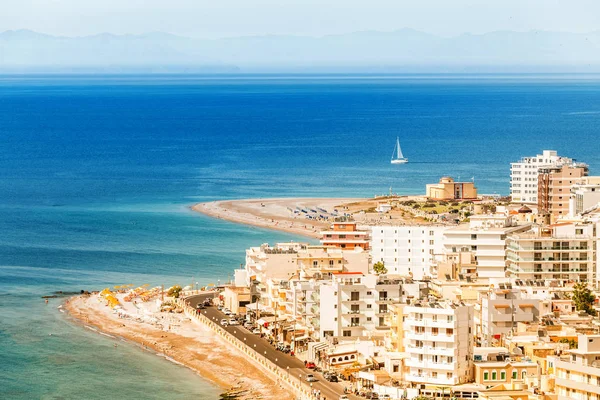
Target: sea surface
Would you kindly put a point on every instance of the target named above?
(97, 174)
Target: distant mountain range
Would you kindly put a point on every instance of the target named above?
(402, 50)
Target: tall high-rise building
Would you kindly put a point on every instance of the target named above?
(524, 175)
(554, 188)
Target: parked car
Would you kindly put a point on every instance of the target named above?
(310, 378)
(249, 325)
(233, 321)
(220, 307)
(200, 307)
(207, 303)
(331, 378)
(343, 397)
(224, 322)
(227, 311)
(384, 397)
(256, 331)
(310, 365)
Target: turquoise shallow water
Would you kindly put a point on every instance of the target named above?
(97, 174)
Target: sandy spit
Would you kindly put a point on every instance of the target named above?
(274, 213)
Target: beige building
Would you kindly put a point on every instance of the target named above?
(578, 377)
(496, 372)
(236, 298)
(447, 189)
(554, 188)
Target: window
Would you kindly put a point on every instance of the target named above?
(486, 376)
(515, 374)
(449, 375)
(369, 293)
(450, 318)
(434, 374)
(331, 262)
(315, 263)
(494, 375)
(434, 358)
(503, 375)
(347, 333)
(523, 374)
(449, 331)
(473, 237)
(450, 360)
(434, 331)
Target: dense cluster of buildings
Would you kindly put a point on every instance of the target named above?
(482, 309)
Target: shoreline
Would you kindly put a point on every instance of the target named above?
(184, 342)
(274, 213)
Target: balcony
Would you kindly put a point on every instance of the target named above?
(350, 300)
(353, 325)
(382, 327)
(352, 312)
(387, 300)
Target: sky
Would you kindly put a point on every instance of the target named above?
(227, 18)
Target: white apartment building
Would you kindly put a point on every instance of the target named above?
(578, 378)
(585, 194)
(524, 175)
(353, 304)
(566, 254)
(485, 236)
(501, 309)
(439, 342)
(407, 250)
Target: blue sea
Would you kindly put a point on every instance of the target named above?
(97, 174)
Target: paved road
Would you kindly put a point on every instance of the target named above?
(329, 390)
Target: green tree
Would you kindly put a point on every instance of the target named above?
(583, 298)
(174, 291)
(379, 268)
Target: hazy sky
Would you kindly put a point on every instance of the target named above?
(220, 18)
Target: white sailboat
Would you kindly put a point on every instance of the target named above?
(397, 157)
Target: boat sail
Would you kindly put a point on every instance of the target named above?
(397, 157)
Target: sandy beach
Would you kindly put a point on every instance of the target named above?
(277, 213)
(177, 337)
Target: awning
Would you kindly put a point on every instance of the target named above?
(501, 305)
(265, 320)
(526, 305)
(300, 338)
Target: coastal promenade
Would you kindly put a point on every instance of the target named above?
(282, 368)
